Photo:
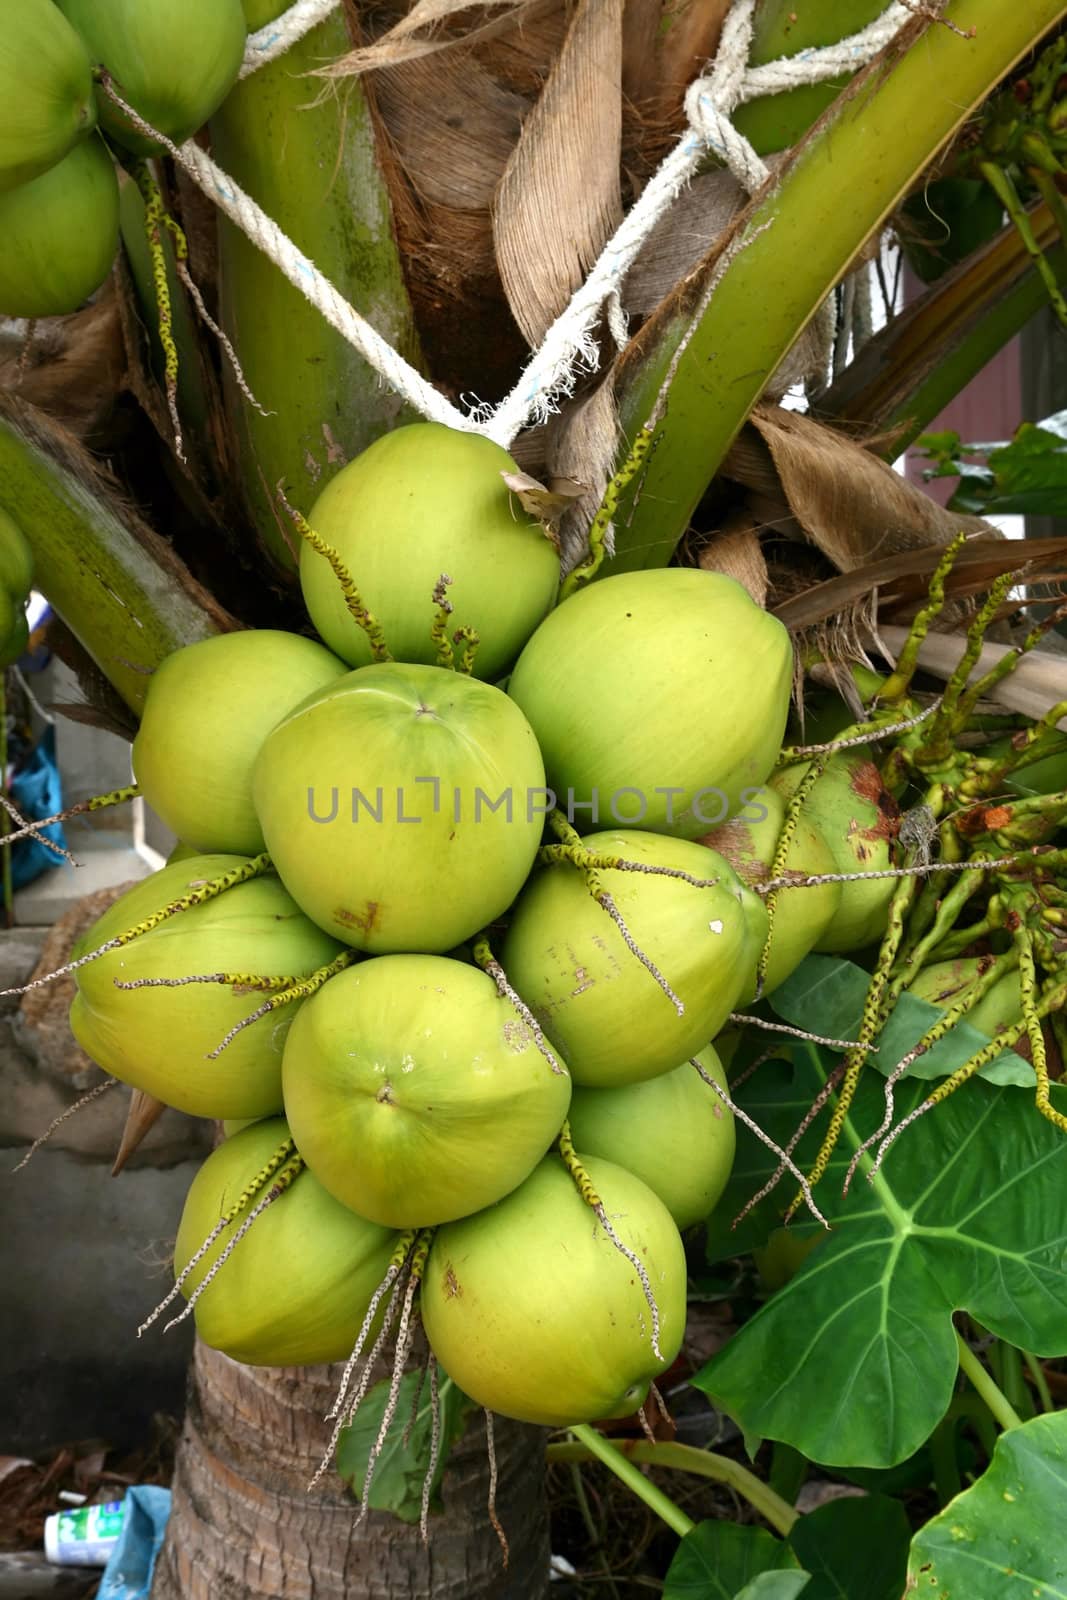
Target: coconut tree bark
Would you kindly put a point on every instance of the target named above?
(242, 1526)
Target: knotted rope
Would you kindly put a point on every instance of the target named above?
(570, 346)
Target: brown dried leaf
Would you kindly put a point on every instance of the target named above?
(559, 201)
(413, 37)
(547, 503)
(850, 504)
(70, 367)
(143, 1114)
(735, 550)
(907, 573)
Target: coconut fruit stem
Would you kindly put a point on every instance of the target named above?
(439, 627)
(197, 896)
(944, 1024)
(361, 616)
(490, 1446)
(435, 1450)
(97, 803)
(283, 1179)
(588, 1191)
(588, 862)
(93, 1094)
(283, 1153)
(155, 218)
(291, 989)
(898, 683)
(484, 957)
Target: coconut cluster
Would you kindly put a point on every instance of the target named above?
(173, 61)
(446, 949)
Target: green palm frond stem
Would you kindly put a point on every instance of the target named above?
(791, 246)
(327, 403)
(117, 585)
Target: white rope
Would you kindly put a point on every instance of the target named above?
(273, 40)
(570, 346)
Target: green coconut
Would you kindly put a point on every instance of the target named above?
(948, 983)
(173, 61)
(858, 818)
(296, 1289)
(422, 501)
(403, 806)
(210, 706)
(673, 1132)
(46, 90)
(158, 1038)
(14, 630)
(660, 696)
(801, 916)
(536, 1315)
(594, 998)
(415, 1093)
(60, 233)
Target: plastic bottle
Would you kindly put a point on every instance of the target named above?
(85, 1537)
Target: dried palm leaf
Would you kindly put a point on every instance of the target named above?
(558, 201)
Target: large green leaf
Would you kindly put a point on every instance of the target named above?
(834, 990)
(1002, 1539)
(401, 1470)
(720, 1560)
(1025, 475)
(854, 1361)
(855, 1549)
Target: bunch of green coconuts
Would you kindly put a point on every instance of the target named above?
(431, 919)
(173, 61)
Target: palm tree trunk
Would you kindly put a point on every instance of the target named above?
(243, 1528)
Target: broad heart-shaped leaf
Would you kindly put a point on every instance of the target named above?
(853, 1362)
(832, 990)
(401, 1469)
(855, 1549)
(720, 1560)
(1003, 1538)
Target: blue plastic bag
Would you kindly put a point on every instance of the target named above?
(128, 1574)
(37, 792)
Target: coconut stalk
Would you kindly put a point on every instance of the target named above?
(907, 374)
(782, 28)
(117, 585)
(789, 248)
(307, 154)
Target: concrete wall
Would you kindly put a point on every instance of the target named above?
(83, 1256)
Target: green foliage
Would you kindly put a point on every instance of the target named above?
(833, 991)
(854, 1361)
(854, 1549)
(849, 1549)
(402, 1467)
(1001, 1539)
(720, 1560)
(1025, 475)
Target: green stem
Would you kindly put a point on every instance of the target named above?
(995, 1399)
(595, 1539)
(788, 250)
(1037, 1372)
(678, 1458)
(1006, 193)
